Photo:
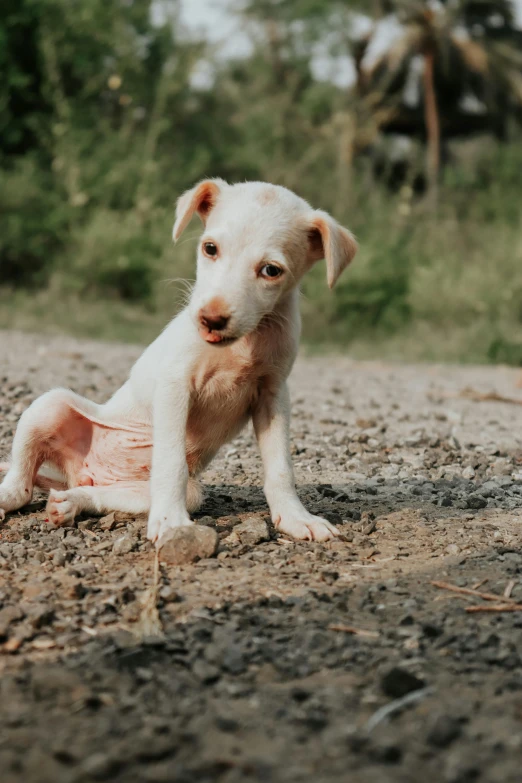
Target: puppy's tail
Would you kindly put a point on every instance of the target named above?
(48, 477)
(194, 495)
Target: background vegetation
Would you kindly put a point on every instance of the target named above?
(103, 124)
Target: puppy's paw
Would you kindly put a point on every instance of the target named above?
(306, 527)
(13, 496)
(162, 523)
(60, 509)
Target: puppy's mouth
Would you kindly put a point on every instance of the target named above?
(216, 338)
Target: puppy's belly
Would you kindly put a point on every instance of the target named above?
(116, 455)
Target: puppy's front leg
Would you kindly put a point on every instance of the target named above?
(272, 426)
(169, 474)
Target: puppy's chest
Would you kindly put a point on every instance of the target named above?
(229, 385)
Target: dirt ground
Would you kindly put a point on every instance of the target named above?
(278, 660)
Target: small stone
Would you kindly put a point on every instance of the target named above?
(188, 544)
(233, 660)
(124, 544)
(206, 672)
(452, 549)
(444, 731)
(7, 616)
(228, 725)
(108, 522)
(59, 557)
(76, 591)
(252, 531)
(468, 472)
(99, 766)
(398, 682)
(169, 595)
(476, 501)
(42, 616)
(86, 524)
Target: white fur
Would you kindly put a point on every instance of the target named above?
(197, 384)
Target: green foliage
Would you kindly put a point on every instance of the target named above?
(34, 224)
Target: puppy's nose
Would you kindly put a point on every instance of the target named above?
(213, 320)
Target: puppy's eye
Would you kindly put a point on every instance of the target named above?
(270, 271)
(210, 249)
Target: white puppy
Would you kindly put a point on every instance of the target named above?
(223, 360)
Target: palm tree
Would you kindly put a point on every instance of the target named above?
(465, 48)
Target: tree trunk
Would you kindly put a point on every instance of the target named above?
(431, 120)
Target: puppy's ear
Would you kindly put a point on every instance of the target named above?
(201, 199)
(329, 240)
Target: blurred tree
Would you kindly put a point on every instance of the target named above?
(466, 49)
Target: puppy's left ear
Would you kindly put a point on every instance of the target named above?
(329, 240)
(201, 199)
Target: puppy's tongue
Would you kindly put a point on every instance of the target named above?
(211, 337)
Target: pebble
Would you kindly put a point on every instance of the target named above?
(444, 731)
(7, 616)
(188, 544)
(252, 531)
(397, 682)
(124, 544)
(59, 557)
(99, 766)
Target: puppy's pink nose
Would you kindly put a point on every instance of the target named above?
(214, 316)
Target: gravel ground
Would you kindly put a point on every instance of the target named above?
(277, 660)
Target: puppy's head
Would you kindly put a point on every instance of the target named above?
(258, 241)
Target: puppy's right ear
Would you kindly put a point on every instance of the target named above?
(201, 199)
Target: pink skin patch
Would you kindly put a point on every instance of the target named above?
(94, 453)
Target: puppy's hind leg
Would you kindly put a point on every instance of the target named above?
(32, 444)
(131, 498)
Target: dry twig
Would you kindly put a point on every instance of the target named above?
(469, 591)
(471, 394)
(495, 608)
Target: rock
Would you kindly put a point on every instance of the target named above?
(444, 731)
(397, 682)
(43, 615)
(188, 544)
(228, 725)
(59, 557)
(7, 616)
(99, 766)
(233, 660)
(452, 549)
(252, 531)
(86, 524)
(206, 672)
(169, 595)
(468, 472)
(124, 544)
(108, 522)
(476, 501)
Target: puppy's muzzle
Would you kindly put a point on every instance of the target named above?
(213, 320)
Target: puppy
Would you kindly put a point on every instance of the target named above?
(222, 361)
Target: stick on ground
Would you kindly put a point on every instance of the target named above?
(469, 591)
